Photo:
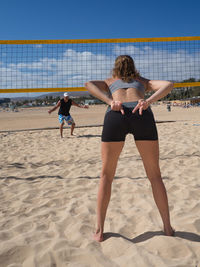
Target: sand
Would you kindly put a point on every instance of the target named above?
(48, 191)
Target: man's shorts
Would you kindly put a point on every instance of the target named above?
(68, 119)
(117, 126)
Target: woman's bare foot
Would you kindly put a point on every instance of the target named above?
(169, 231)
(98, 236)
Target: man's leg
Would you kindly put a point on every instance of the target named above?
(61, 129)
(72, 128)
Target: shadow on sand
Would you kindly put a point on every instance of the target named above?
(88, 135)
(148, 235)
(32, 178)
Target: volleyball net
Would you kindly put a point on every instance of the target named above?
(65, 65)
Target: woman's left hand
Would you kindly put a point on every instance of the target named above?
(117, 106)
(142, 105)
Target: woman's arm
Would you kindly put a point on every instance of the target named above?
(161, 88)
(100, 90)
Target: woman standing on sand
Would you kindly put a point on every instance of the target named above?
(128, 112)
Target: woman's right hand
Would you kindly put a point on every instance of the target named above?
(142, 105)
(117, 106)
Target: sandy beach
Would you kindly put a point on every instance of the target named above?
(48, 192)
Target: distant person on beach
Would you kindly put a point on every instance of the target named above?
(64, 106)
(129, 112)
(169, 107)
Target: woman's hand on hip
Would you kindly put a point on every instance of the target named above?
(117, 106)
(142, 105)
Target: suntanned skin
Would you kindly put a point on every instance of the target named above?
(149, 150)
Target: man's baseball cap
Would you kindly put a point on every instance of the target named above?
(66, 94)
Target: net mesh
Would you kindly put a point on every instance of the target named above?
(64, 64)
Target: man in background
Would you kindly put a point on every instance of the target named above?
(64, 106)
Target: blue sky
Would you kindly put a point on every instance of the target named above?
(90, 19)
(37, 66)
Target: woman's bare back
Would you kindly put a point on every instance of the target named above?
(125, 95)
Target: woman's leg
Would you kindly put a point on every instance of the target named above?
(110, 152)
(149, 151)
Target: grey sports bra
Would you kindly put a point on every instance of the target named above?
(119, 84)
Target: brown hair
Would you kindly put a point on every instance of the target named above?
(124, 68)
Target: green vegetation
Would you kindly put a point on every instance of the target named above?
(184, 92)
(176, 94)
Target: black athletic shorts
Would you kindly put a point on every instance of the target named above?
(117, 126)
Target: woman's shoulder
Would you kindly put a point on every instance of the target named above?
(143, 81)
(111, 80)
